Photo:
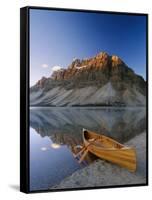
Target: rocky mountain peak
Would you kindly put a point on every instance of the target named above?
(102, 63)
(116, 61)
(104, 78)
(102, 55)
(75, 63)
(41, 82)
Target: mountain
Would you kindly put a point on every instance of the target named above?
(100, 80)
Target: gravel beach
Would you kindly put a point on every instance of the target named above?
(102, 173)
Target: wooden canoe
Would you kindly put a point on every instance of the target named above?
(110, 150)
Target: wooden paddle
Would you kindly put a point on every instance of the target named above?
(83, 156)
(85, 150)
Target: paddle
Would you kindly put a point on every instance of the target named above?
(83, 156)
(85, 148)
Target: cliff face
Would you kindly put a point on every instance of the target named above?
(100, 80)
(87, 68)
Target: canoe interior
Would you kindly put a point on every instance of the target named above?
(101, 140)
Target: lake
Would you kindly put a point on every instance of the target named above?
(55, 131)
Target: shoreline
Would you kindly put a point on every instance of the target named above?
(88, 106)
(102, 173)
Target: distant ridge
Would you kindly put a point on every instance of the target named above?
(97, 81)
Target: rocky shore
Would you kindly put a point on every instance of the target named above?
(102, 173)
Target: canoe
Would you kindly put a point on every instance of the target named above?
(108, 149)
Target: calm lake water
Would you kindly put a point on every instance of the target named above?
(54, 132)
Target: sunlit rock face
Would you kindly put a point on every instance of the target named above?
(99, 80)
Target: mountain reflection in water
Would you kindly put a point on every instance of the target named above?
(56, 131)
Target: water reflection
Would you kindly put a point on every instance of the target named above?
(56, 131)
(55, 146)
(64, 126)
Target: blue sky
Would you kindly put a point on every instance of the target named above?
(57, 37)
